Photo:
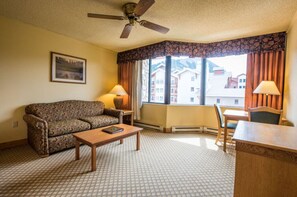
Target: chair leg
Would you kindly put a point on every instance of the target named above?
(219, 135)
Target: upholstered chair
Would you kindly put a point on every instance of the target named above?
(265, 115)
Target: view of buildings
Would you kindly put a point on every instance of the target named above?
(221, 86)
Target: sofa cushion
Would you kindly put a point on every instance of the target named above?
(100, 121)
(65, 110)
(66, 126)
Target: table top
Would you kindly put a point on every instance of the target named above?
(267, 135)
(127, 112)
(97, 136)
(236, 114)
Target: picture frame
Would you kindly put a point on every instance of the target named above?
(68, 69)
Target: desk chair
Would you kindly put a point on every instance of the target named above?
(265, 115)
(230, 126)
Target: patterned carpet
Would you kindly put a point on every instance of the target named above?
(182, 164)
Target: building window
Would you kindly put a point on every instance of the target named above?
(186, 71)
(222, 75)
(218, 100)
(236, 101)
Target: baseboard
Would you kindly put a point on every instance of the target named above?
(12, 144)
(167, 130)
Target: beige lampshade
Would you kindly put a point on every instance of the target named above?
(267, 87)
(118, 90)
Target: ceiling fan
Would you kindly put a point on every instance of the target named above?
(132, 12)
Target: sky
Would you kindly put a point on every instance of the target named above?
(235, 63)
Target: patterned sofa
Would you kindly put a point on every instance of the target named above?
(50, 125)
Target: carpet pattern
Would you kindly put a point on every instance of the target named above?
(182, 164)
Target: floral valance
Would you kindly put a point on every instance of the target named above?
(262, 43)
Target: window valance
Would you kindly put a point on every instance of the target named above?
(262, 43)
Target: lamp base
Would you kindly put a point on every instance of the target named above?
(118, 102)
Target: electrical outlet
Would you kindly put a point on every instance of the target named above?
(15, 124)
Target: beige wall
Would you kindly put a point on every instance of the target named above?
(180, 115)
(185, 115)
(290, 94)
(155, 114)
(25, 72)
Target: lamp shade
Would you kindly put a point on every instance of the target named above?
(118, 90)
(267, 87)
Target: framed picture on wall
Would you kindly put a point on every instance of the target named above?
(68, 69)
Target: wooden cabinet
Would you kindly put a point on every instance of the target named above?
(266, 160)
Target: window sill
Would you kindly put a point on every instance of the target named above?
(195, 105)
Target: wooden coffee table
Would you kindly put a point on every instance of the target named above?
(97, 137)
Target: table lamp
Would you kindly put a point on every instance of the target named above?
(267, 88)
(119, 91)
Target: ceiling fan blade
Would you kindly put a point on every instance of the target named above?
(103, 16)
(126, 31)
(143, 6)
(154, 26)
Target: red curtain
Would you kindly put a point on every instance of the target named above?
(125, 79)
(269, 66)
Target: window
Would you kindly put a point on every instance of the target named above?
(184, 80)
(223, 75)
(153, 80)
(145, 81)
(187, 75)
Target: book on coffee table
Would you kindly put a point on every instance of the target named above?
(113, 129)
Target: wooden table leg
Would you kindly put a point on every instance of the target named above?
(121, 141)
(225, 134)
(93, 158)
(77, 143)
(138, 140)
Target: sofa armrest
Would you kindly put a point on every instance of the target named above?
(114, 112)
(37, 134)
(35, 122)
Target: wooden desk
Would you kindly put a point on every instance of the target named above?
(266, 160)
(233, 115)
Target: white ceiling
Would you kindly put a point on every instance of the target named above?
(189, 20)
